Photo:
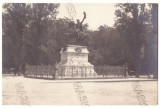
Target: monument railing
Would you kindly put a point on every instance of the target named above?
(41, 71)
(85, 72)
(50, 71)
(111, 70)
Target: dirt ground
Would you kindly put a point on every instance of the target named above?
(63, 92)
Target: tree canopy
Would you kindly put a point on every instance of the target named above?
(33, 34)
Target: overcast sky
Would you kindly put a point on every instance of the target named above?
(97, 14)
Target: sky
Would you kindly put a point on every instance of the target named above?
(97, 13)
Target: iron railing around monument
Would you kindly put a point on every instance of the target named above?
(111, 71)
(50, 71)
(41, 71)
(99, 72)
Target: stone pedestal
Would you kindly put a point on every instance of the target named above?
(74, 62)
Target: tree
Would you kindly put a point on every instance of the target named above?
(41, 33)
(131, 23)
(107, 47)
(14, 22)
(154, 40)
(27, 34)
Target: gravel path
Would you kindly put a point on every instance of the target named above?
(18, 90)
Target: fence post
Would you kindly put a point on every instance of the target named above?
(48, 71)
(94, 73)
(54, 72)
(90, 72)
(61, 71)
(103, 71)
(81, 72)
(85, 72)
(72, 71)
(51, 72)
(36, 71)
(126, 70)
(42, 71)
(32, 71)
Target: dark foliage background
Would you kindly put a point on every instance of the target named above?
(32, 34)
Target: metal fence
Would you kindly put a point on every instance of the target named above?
(42, 71)
(50, 71)
(115, 71)
(75, 72)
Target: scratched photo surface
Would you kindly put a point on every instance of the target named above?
(79, 54)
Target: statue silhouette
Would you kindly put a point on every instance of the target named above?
(76, 31)
(79, 24)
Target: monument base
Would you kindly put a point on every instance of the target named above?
(74, 63)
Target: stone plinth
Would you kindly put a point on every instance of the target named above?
(74, 62)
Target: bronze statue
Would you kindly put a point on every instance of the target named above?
(76, 32)
(79, 24)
